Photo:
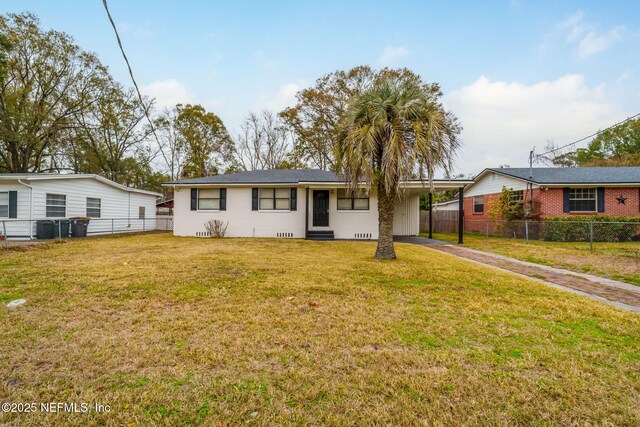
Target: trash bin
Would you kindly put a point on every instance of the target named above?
(61, 228)
(79, 227)
(44, 229)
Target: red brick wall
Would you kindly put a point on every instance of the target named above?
(551, 204)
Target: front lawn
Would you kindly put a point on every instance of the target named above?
(177, 331)
(618, 261)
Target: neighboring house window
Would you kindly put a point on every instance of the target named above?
(4, 205)
(478, 204)
(141, 212)
(517, 196)
(354, 202)
(208, 199)
(93, 207)
(582, 199)
(56, 205)
(275, 198)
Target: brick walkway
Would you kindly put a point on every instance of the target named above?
(619, 294)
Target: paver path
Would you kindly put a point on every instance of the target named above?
(619, 294)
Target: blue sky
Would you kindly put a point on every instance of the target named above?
(516, 73)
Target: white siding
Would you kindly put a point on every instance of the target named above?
(492, 183)
(406, 218)
(117, 205)
(23, 197)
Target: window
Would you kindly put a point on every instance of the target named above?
(56, 205)
(478, 204)
(208, 199)
(357, 201)
(93, 207)
(141, 212)
(4, 205)
(275, 199)
(582, 200)
(517, 196)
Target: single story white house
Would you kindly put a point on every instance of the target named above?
(308, 203)
(26, 199)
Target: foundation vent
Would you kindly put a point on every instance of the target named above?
(362, 236)
(286, 235)
(203, 234)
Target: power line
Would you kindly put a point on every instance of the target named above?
(133, 79)
(590, 136)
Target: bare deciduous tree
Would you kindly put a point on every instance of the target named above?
(263, 142)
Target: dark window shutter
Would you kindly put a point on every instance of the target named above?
(254, 199)
(223, 199)
(13, 204)
(566, 200)
(194, 199)
(294, 199)
(600, 199)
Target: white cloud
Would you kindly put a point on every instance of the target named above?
(587, 37)
(283, 98)
(392, 54)
(503, 121)
(167, 93)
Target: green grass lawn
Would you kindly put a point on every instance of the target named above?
(619, 261)
(180, 331)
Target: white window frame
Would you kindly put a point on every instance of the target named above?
(208, 198)
(475, 203)
(3, 205)
(582, 190)
(353, 199)
(47, 205)
(274, 198)
(93, 208)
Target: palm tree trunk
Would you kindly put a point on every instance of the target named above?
(386, 207)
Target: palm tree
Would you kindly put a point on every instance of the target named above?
(394, 131)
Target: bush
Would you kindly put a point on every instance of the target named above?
(577, 228)
(216, 228)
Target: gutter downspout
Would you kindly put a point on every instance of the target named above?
(30, 207)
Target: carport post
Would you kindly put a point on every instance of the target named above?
(460, 215)
(306, 212)
(430, 215)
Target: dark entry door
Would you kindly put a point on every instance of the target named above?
(321, 208)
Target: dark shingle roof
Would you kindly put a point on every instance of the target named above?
(595, 175)
(276, 176)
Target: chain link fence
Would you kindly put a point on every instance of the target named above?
(43, 229)
(552, 231)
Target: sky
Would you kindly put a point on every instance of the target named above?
(517, 73)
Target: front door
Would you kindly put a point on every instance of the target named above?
(320, 208)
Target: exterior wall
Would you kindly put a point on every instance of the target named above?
(347, 224)
(551, 202)
(406, 217)
(492, 183)
(115, 203)
(23, 197)
(244, 222)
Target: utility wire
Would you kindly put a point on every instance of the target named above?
(133, 79)
(590, 136)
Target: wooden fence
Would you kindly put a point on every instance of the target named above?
(443, 221)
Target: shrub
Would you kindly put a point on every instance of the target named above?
(216, 228)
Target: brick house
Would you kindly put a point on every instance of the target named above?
(612, 191)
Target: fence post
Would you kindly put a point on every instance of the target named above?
(526, 230)
(487, 228)
(591, 236)
(4, 233)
